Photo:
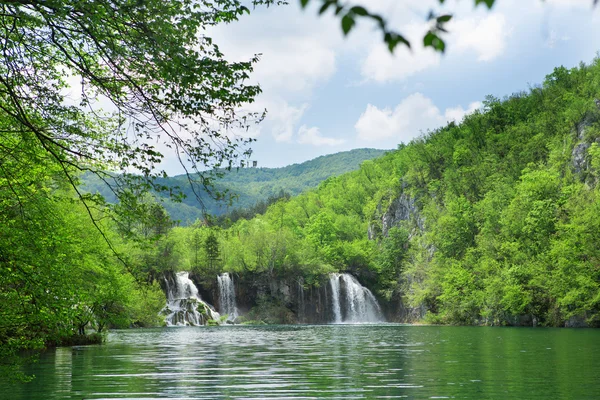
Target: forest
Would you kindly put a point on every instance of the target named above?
(493, 221)
(245, 186)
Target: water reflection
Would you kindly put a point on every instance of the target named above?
(339, 361)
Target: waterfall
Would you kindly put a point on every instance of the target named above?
(183, 303)
(301, 305)
(352, 302)
(227, 296)
(334, 281)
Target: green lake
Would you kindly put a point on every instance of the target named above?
(324, 361)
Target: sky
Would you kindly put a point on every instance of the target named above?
(327, 93)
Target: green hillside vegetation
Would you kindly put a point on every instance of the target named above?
(249, 186)
(501, 217)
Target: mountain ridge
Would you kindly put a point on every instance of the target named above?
(251, 184)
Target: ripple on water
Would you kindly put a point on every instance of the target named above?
(308, 362)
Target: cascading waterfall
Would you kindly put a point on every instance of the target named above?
(334, 281)
(183, 303)
(352, 302)
(301, 305)
(227, 296)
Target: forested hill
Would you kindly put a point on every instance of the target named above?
(492, 221)
(253, 185)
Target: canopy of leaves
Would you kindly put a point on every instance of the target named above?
(108, 85)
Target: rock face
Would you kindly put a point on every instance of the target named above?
(579, 157)
(402, 208)
(336, 298)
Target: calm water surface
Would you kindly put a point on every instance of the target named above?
(334, 361)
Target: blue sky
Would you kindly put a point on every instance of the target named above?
(325, 93)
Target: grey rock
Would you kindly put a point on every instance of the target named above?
(401, 208)
(576, 322)
(579, 157)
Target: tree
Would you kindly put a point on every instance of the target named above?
(161, 79)
(213, 254)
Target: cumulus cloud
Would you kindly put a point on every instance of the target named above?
(283, 118)
(381, 66)
(313, 137)
(297, 51)
(457, 113)
(415, 114)
(485, 36)
(572, 3)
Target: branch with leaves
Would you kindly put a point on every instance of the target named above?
(349, 14)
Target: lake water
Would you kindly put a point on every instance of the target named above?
(330, 361)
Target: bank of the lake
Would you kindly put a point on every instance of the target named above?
(323, 361)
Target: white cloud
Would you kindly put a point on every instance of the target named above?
(294, 63)
(381, 66)
(571, 3)
(313, 136)
(282, 119)
(485, 36)
(457, 113)
(297, 50)
(415, 114)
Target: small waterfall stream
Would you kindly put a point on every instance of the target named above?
(352, 302)
(184, 305)
(227, 296)
(334, 281)
(301, 304)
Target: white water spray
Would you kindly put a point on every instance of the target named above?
(227, 296)
(352, 302)
(183, 303)
(334, 281)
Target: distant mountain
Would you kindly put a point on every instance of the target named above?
(252, 185)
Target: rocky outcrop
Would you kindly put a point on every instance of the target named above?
(580, 161)
(402, 208)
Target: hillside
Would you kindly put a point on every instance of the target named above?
(492, 221)
(251, 185)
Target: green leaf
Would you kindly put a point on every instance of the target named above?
(347, 23)
(488, 3)
(444, 18)
(433, 40)
(358, 10)
(325, 6)
(304, 3)
(428, 39)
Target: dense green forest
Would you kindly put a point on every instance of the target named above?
(491, 221)
(246, 186)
